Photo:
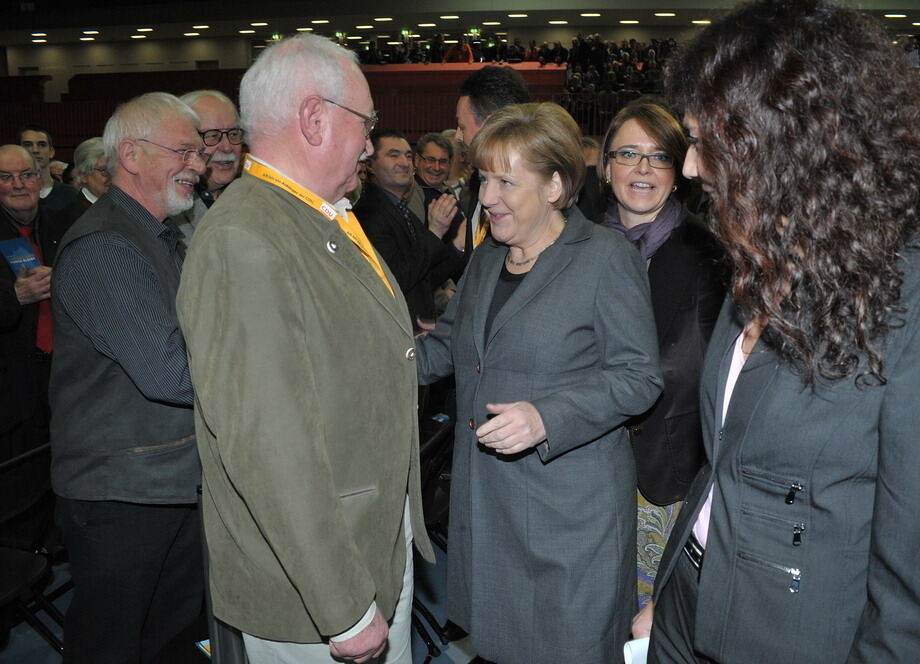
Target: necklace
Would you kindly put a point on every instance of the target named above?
(531, 259)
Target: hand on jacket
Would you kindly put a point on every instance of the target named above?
(33, 285)
(368, 644)
(642, 621)
(515, 427)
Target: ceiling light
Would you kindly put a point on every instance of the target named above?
(191, 34)
(702, 22)
(558, 22)
(39, 34)
(895, 15)
(364, 27)
(353, 37)
(383, 36)
(450, 41)
(414, 35)
(302, 30)
(427, 25)
(629, 22)
(662, 14)
(589, 14)
(261, 24)
(247, 32)
(39, 41)
(449, 17)
(201, 27)
(517, 15)
(151, 29)
(90, 32)
(319, 21)
(87, 39)
(384, 18)
(138, 36)
(394, 43)
(491, 23)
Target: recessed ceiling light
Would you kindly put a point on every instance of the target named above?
(665, 14)
(427, 25)
(449, 17)
(383, 36)
(138, 36)
(450, 41)
(383, 18)
(201, 27)
(353, 37)
(260, 24)
(247, 32)
(39, 41)
(144, 30)
(87, 39)
(517, 15)
(491, 23)
(90, 32)
(558, 22)
(364, 27)
(39, 34)
(191, 34)
(319, 21)
(916, 23)
(895, 15)
(589, 14)
(304, 29)
(394, 43)
(414, 35)
(629, 22)
(702, 22)
(259, 46)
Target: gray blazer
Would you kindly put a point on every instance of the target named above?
(542, 560)
(813, 539)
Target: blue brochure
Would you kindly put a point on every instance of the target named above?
(18, 253)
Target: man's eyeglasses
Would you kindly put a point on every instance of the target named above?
(370, 121)
(104, 172)
(431, 161)
(626, 157)
(186, 154)
(24, 177)
(212, 137)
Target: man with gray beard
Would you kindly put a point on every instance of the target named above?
(124, 464)
(223, 141)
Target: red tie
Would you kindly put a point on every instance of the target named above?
(43, 340)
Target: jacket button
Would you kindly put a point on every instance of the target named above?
(478, 368)
(472, 423)
(636, 431)
(332, 246)
(410, 354)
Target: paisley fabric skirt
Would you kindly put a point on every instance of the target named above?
(654, 528)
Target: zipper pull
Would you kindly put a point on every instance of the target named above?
(797, 531)
(796, 578)
(794, 488)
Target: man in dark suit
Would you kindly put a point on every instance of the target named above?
(25, 311)
(418, 258)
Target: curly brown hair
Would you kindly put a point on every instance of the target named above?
(808, 131)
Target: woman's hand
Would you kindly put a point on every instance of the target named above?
(642, 621)
(516, 427)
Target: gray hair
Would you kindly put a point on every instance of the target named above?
(87, 155)
(437, 139)
(277, 82)
(139, 117)
(193, 97)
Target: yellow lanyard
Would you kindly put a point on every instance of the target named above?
(482, 231)
(347, 222)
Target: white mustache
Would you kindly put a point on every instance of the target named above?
(220, 158)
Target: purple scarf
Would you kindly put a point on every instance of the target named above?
(648, 237)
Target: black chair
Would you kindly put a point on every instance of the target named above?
(26, 572)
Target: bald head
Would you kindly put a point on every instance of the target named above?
(20, 183)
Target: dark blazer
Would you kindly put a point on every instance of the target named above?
(687, 287)
(23, 379)
(418, 259)
(813, 538)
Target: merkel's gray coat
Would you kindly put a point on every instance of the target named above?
(813, 538)
(541, 561)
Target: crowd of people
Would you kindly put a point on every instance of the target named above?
(685, 359)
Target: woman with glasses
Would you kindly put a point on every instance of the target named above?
(798, 541)
(642, 155)
(550, 338)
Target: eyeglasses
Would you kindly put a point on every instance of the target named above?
(186, 154)
(370, 121)
(626, 157)
(431, 161)
(24, 177)
(212, 137)
(104, 172)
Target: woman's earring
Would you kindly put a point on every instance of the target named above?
(674, 188)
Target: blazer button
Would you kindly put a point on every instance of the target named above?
(410, 354)
(636, 431)
(478, 368)
(332, 246)
(472, 423)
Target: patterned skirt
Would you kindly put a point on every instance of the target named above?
(655, 524)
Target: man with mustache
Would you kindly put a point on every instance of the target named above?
(124, 463)
(223, 141)
(410, 245)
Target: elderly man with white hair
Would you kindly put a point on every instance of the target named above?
(303, 362)
(124, 463)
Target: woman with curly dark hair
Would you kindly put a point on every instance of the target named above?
(798, 541)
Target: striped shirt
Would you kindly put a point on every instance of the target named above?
(111, 292)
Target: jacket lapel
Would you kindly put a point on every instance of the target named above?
(670, 278)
